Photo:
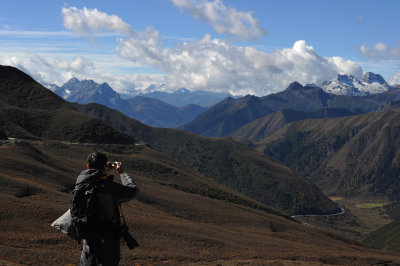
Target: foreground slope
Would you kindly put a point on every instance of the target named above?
(356, 155)
(172, 226)
(228, 162)
(28, 110)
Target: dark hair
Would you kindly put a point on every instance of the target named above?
(97, 160)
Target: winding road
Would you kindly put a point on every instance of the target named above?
(320, 215)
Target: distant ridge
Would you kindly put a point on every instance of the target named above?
(150, 111)
(267, 125)
(182, 97)
(231, 114)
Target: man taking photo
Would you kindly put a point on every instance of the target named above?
(102, 245)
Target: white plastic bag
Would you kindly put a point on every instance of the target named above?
(64, 224)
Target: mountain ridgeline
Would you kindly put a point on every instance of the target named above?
(349, 85)
(150, 111)
(182, 97)
(231, 114)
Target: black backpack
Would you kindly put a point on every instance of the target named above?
(85, 209)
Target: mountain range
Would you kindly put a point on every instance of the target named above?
(231, 114)
(184, 96)
(147, 110)
(224, 160)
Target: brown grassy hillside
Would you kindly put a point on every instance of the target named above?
(172, 226)
(228, 162)
(357, 155)
(265, 126)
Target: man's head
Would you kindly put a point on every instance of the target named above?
(96, 161)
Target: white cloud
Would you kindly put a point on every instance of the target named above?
(34, 34)
(90, 21)
(213, 64)
(395, 79)
(48, 70)
(56, 70)
(79, 64)
(381, 51)
(207, 63)
(225, 20)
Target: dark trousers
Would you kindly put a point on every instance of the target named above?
(105, 251)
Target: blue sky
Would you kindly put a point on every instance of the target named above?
(253, 46)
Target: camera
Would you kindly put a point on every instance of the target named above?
(130, 241)
(110, 165)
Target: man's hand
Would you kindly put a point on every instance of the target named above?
(118, 167)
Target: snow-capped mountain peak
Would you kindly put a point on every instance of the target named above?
(370, 77)
(344, 84)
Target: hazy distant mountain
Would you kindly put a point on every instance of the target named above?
(150, 111)
(157, 113)
(229, 115)
(183, 97)
(348, 85)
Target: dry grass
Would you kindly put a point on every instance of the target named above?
(361, 217)
(172, 226)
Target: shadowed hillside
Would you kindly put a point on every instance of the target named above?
(28, 110)
(171, 225)
(227, 162)
(357, 155)
(267, 125)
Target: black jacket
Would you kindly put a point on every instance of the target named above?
(110, 195)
